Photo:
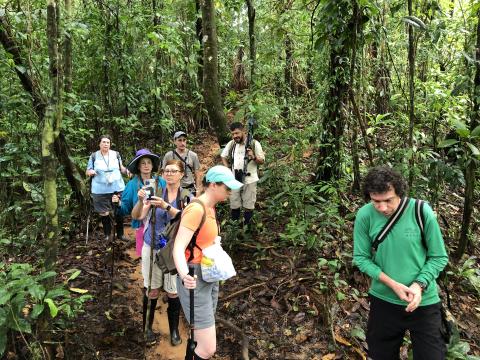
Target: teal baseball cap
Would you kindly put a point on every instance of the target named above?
(222, 174)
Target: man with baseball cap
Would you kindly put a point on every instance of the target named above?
(192, 178)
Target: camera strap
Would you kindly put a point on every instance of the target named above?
(183, 160)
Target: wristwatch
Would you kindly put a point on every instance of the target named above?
(168, 207)
(422, 285)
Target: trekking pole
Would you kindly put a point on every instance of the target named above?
(112, 215)
(150, 270)
(192, 344)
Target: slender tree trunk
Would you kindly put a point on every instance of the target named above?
(199, 34)
(31, 86)
(67, 49)
(287, 73)
(211, 89)
(411, 107)
(251, 40)
(328, 167)
(471, 166)
(51, 129)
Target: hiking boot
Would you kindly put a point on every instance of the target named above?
(150, 337)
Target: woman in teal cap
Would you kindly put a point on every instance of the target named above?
(217, 184)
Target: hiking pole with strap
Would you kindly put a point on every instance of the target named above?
(150, 270)
(192, 344)
(112, 215)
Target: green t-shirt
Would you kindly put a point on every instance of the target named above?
(401, 255)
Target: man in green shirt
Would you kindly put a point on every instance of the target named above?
(403, 269)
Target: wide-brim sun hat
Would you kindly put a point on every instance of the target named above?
(133, 166)
(222, 174)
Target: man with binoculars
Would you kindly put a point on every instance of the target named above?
(243, 157)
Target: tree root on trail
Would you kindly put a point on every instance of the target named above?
(236, 293)
(239, 333)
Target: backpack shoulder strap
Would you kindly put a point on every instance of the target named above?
(119, 160)
(392, 220)
(193, 242)
(182, 159)
(420, 219)
(183, 197)
(93, 156)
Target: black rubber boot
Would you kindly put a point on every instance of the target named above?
(107, 225)
(235, 214)
(150, 336)
(173, 312)
(247, 216)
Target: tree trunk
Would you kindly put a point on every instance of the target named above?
(211, 90)
(51, 129)
(67, 49)
(411, 107)
(30, 85)
(287, 73)
(251, 40)
(471, 166)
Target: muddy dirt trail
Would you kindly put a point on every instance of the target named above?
(207, 150)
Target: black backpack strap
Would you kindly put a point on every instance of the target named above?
(119, 161)
(183, 160)
(419, 217)
(193, 242)
(392, 220)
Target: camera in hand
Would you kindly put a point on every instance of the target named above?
(150, 188)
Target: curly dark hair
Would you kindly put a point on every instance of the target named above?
(379, 180)
(236, 125)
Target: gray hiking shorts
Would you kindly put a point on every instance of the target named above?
(205, 300)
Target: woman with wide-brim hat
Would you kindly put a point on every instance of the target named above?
(142, 166)
(163, 207)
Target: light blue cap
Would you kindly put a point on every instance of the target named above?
(220, 173)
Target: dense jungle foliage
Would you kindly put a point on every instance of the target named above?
(336, 86)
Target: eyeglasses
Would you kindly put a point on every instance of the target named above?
(172, 172)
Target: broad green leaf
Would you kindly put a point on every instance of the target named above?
(476, 131)
(4, 296)
(22, 325)
(37, 291)
(46, 275)
(74, 275)
(37, 310)
(53, 308)
(473, 149)
(447, 142)
(358, 332)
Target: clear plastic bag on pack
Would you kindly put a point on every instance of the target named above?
(216, 263)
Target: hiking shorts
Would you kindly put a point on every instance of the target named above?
(159, 280)
(205, 300)
(386, 328)
(244, 197)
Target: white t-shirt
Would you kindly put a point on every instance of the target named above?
(239, 158)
